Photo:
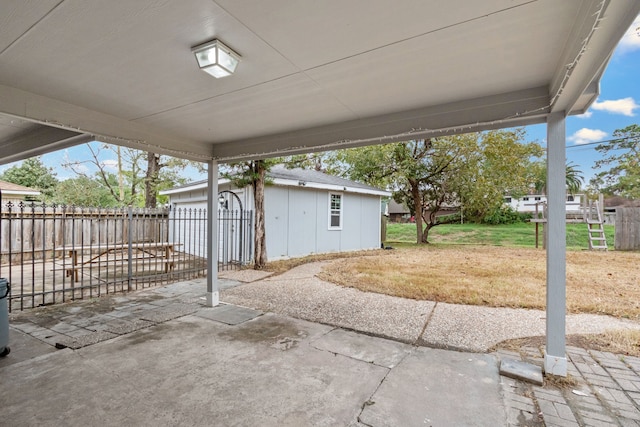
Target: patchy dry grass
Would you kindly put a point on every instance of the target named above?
(279, 267)
(597, 282)
(621, 342)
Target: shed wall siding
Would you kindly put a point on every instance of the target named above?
(351, 216)
(276, 213)
(303, 206)
(297, 220)
(370, 222)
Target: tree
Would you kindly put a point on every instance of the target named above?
(85, 191)
(321, 162)
(34, 174)
(472, 170)
(417, 171)
(622, 158)
(503, 167)
(130, 176)
(138, 173)
(253, 173)
(573, 178)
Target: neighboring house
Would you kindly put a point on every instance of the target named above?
(306, 211)
(399, 212)
(528, 203)
(15, 193)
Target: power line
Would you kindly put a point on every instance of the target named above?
(598, 142)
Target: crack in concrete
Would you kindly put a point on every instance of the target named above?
(426, 323)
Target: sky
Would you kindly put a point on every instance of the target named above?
(617, 107)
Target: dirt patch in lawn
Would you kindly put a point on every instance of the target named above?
(597, 282)
(618, 342)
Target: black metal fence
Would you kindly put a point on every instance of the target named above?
(53, 254)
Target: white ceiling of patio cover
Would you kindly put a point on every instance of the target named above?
(314, 74)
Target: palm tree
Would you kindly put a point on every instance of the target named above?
(574, 178)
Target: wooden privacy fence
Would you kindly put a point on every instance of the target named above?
(31, 231)
(627, 229)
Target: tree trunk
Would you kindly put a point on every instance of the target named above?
(260, 249)
(429, 224)
(120, 176)
(151, 180)
(425, 234)
(417, 206)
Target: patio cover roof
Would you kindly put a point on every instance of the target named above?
(313, 76)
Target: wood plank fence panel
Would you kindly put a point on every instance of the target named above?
(627, 235)
(31, 231)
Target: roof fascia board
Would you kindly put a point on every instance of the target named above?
(330, 187)
(280, 182)
(194, 186)
(601, 25)
(104, 127)
(20, 193)
(518, 108)
(40, 141)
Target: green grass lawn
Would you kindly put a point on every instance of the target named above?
(523, 235)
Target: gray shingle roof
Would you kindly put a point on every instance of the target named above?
(298, 174)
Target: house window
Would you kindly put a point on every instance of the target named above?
(335, 211)
(569, 198)
(507, 199)
(526, 199)
(537, 198)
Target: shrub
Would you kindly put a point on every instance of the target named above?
(505, 215)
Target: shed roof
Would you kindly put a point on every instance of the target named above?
(297, 177)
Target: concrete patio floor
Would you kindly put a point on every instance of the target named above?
(266, 370)
(160, 357)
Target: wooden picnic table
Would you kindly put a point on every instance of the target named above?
(75, 253)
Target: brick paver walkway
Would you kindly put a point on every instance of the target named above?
(605, 391)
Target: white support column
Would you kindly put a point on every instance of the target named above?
(213, 288)
(555, 359)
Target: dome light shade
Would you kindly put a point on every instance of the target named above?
(216, 58)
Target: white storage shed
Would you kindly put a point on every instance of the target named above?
(306, 211)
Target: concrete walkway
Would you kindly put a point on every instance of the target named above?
(293, 350)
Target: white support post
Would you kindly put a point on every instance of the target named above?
(555, 359)
(213, 288)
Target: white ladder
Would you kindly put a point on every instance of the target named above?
(597, 239)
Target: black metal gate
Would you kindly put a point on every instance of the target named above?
(235, 242)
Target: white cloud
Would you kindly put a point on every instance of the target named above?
(631, 39)
(585, 115)
(623, 106)
(80, 168)
(585, 136)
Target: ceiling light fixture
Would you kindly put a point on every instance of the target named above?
(216, 58)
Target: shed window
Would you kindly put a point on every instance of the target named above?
(335, 211)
